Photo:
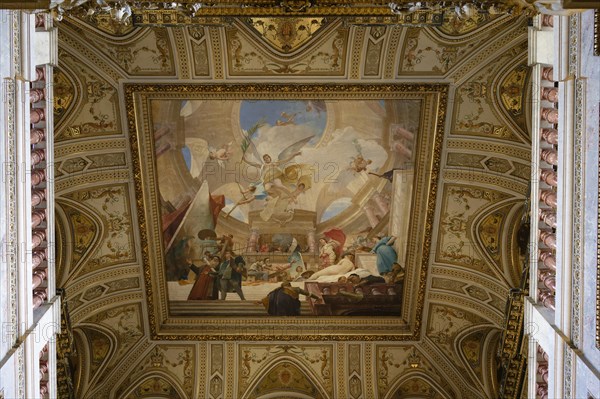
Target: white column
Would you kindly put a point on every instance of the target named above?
(25, 330)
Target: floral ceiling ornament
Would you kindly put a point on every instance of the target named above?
(414, 360)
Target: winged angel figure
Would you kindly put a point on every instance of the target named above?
(277, 184)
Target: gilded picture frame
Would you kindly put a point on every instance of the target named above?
(167, 326)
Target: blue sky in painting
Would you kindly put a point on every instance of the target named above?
(187, 156)
(271, 110)
(335, 208)
(237, 212)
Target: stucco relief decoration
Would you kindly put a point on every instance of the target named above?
(83, 232)
(460, 205)
(478, 293)
(215, 384)
(101, 346)
(287, 378)
(498, 165)
(256, 360)
(107, 24)
(465, 160)
(286, 34)
(196, 32)
(512, 89)
(64, 92)
(93, 293)
(375, 45)
(418, 387)
(151, 54)
(76, 165)
(456, 26)
(474, 111)
(446, 323)
(354, 355)
(423, 54)
(449, 285)
(199, 43)
(106, 160)
(154, 386)
(395, 362)
(489, 232)
(246, 57)
(125, 323)
(99, 113)
(513, 92)
(176, 361)
(122, 284)
(71, 166)
(112, 208)
(355, 386)
(472, 349)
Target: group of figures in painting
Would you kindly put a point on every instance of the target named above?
(336, 276)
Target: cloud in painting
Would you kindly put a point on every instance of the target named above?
(345, 145)
(273, 140)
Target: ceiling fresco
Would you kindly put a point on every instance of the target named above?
(477, 198)
(275, 216)
(291, 171)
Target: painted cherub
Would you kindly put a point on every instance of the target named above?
(221, 154)
(359, 163)
(286, 119)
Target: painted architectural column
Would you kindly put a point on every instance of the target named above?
(371, 215)
(253, 240)
(311, 240)
(381, 203)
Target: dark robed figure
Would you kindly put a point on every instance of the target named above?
(283, 301)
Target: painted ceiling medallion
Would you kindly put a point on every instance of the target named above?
(287, 34)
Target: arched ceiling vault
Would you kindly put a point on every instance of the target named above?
(485, 165)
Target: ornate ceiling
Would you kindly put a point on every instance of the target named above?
(473, 261)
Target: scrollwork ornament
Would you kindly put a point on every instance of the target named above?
(16, 45)
(11, 176)
(578, 167)
(574, 44)
(21, 371)
(11, 172)
(568, 372)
